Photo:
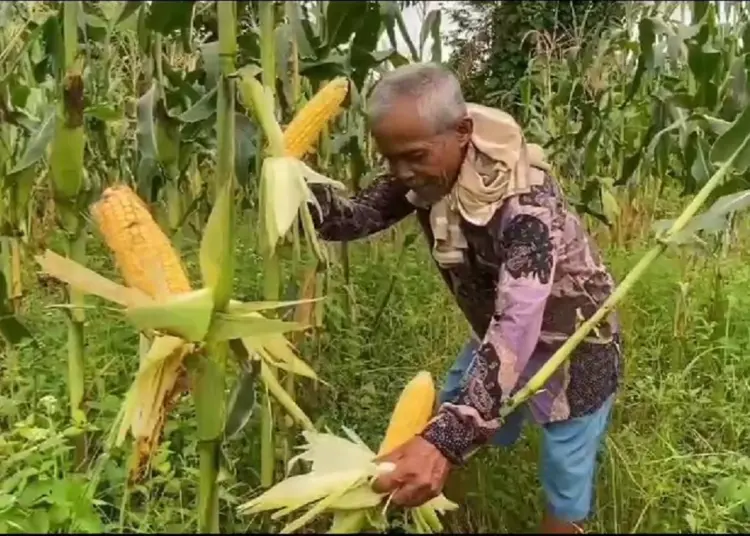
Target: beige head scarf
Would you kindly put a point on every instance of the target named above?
(479, 192)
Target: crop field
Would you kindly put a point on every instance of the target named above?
(135, 397)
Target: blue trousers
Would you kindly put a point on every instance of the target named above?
(569, 448)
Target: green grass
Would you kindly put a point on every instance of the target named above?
(676, 458)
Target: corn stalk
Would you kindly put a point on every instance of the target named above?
(217, 263)
(67, 173)
(272, 263)
(292, 63)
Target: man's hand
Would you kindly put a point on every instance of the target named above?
(420, 473)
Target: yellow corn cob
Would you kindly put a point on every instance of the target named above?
(412, 412)
(149, 263)
(302, 133)
(142, 251)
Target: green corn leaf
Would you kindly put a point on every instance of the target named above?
(237, 307)
(713, 220)
(186, 315)
(217, 248)
(167, 16)
(167, 136)
(201, 110)
(241, 404)
(733, 140)
(283, 398)
(127, 9)
(208, 393)
(226, 327)
(38, 143)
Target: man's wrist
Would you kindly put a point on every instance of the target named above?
(452, 436)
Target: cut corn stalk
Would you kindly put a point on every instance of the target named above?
(262, 98)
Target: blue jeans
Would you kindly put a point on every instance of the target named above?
(569, 448)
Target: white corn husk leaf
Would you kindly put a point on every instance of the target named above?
(358, 498)
(300, 490)
(329, 453)
(348, 522)
(284, 187)
(155, 378)
(279, 352)
(284, 191)
(339, 483)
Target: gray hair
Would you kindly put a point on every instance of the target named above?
(434, 89)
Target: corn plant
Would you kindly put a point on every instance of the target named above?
(16, 183)
(625, 118)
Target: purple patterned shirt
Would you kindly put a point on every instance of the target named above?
(531, 275)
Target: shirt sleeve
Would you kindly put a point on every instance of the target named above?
(378, 206)
(524, 285)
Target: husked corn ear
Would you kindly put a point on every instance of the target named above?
(412, 412)
(142, 251)
(302, 133)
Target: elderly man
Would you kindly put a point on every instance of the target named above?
(522, 270)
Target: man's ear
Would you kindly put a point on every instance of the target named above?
(464, 130)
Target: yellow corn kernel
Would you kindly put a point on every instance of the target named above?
(302, 133)
(142, 251)
(411, 414)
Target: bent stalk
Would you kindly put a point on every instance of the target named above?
(538, 380)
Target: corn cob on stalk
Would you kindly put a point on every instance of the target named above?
(302, 133)
(148, 263)
(142, 251)
(412, 411)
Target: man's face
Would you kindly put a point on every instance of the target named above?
(427, 162)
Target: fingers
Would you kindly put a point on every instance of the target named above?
(391, 480)
(417, 477)
(409, 489)
(414, 494)
(387, 482)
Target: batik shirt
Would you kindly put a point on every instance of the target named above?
(529, 278)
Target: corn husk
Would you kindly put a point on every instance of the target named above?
(338, 484)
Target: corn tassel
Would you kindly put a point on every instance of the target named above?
(302, 133)
(411, 414)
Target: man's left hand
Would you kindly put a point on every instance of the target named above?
(419, 475)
